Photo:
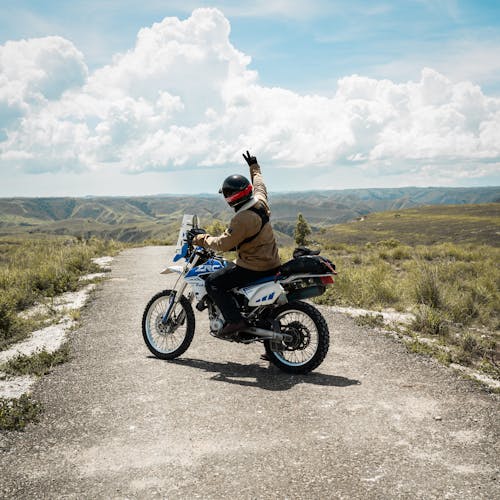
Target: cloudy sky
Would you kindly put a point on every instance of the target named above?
(108, 97)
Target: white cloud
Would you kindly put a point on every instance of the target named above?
(459, 60)
(183, 97)
(35, 71)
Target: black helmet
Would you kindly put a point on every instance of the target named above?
(237, 190)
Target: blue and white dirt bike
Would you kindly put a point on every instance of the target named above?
(294, 333)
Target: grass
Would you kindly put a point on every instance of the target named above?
(15, 414)
(416, 346)
(460, 282)
(430, 321)
(451, 283)
(36, 268)
(452, 289)
(38, 364)
(370, 320)
(426, 287)
(428, 225)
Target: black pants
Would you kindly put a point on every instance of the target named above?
(219, 283)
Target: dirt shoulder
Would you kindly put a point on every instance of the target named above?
(374, 421)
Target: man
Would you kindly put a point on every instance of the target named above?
(250, 233)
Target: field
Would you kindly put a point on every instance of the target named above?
(477, 224)
(32, 269)
(440, 263)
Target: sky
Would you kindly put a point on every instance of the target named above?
(106, 97)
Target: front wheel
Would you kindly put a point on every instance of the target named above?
(310, 338)
(168, 339)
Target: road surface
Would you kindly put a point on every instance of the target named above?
(373, 421)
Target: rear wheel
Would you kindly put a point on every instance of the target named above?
(168, 340)
(310, 338)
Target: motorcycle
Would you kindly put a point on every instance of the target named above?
(294, 333)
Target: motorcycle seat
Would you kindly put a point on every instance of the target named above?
(260, 281)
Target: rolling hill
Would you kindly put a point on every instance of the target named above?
(135, 219)
(425, 225)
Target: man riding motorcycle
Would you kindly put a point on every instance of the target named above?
(250, 234)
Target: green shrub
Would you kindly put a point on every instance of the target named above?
(390, 243)
(216, 228)
(15, 414)
(429, 321)
(461, 306)
(470, 343)
(366, 286)
(490, 368)
(302, 231)
(370, 320)
(426, 287)
(383, 255)
(12, 327)
(380, 282)
(6, 316)
(357, 260)
(401, 252)
(339, 247)
(39, 363)
(472, 346)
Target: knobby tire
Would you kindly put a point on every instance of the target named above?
(190, 327)
(323, 339)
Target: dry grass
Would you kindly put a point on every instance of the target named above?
(452, 288)
(34, 268)
(424, 226)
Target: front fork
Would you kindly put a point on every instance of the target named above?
(173, 301)
(177, 294)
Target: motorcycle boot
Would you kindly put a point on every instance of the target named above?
(230, 329)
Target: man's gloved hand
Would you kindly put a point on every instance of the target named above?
(190, 235)
(251, 160)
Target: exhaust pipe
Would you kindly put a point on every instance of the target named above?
(267, 334)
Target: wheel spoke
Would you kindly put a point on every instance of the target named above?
(163, 337)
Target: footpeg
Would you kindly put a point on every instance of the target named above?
(228, 339)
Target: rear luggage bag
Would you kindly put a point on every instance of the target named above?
(307, 264)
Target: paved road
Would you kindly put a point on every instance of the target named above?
(372, 422)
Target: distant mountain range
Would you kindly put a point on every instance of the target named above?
(158, 217)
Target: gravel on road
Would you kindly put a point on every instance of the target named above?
(373, 421)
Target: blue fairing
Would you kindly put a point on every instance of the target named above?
(210, 266)
(182, 253)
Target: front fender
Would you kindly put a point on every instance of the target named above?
(173, 269)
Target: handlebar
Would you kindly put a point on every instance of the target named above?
(200, 251)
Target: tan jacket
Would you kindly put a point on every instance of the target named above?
(260, 254)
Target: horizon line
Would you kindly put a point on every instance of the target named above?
(319, 190)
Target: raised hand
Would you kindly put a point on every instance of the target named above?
(251, 160)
